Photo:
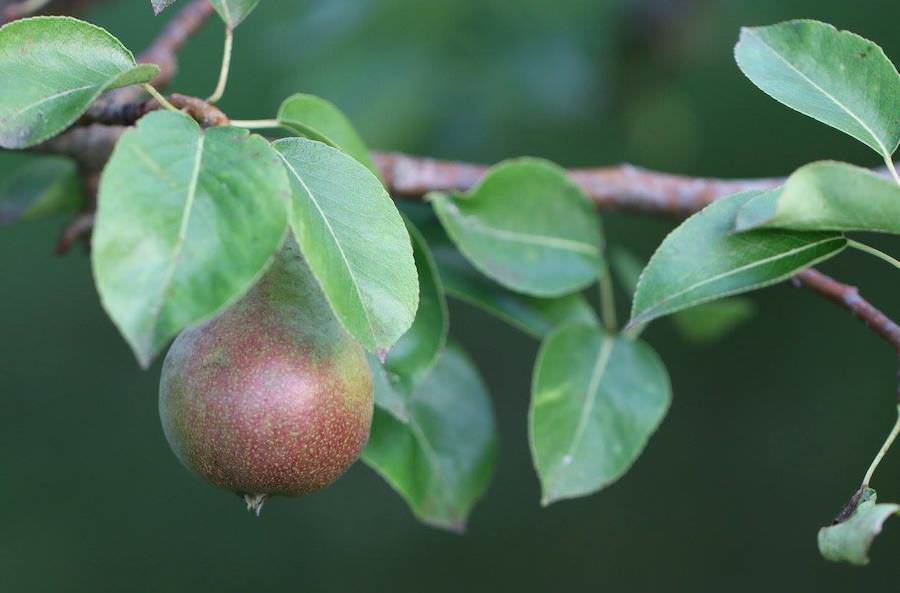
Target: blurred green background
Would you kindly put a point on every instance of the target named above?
(770, 430)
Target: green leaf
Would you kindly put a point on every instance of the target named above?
(414, 354)
(440, 459)
(836, 77)
(704, 260)
(532, 315)
(700, 324)
(390, 390)
(535, 316)
(187, 220)
(318, 119)
(527, 226)
(160, 5)
(40, 188)
(850, 540)
(233, 12)
(354, 240)
(710, 322)
(827, 196)
(596, 400)
(60, 65)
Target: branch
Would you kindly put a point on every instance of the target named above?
(623, 187)
(164, 51)
(848, 297)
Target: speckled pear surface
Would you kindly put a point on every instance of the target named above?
(272, 397)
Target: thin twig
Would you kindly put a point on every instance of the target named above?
(849, 298)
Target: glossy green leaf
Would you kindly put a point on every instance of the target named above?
(414, 354)
(836, 77)
(704, 260)
(827, 196)
(187, 220)
(318, 119)
(54, 68)
(160, 5)
(391, 390)
(527, 226)
(354, 240)
(441, 458)
(850, 541)
(596, 400)
(532, 315)
(233, 12)
(700, 324)
(40, 188)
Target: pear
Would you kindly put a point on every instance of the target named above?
(272, 396)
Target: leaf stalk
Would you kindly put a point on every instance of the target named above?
(226, 66)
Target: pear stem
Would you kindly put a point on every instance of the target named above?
(255, 502)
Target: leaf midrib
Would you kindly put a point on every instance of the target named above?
(597, 373)
(337, 244)
(737, 270)
(182, 231)
(834, 99)
(52, 97)
(526, 238)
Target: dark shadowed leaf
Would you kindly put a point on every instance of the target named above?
(233, 12)
(704, 260)
(318, 119)
(850, 541)
(527, 226)
(827, 196)
(354, 240)
(59, 65)
(596, 400)
(415, 352)
(440, 458)
(40, 188)
(836, 77)
(187, 220)
(532, 315)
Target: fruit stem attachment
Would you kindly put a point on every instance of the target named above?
(151, 90)
(226, 66)
(872, 251)
(255, 502)
(883, 451)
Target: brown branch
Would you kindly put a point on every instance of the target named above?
(126, 114)
(19, 9)
(164, 51)
(848, 297)
(623, 187)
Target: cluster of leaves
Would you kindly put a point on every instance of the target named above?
(188, 219)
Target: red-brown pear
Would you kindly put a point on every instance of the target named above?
(271, 397)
